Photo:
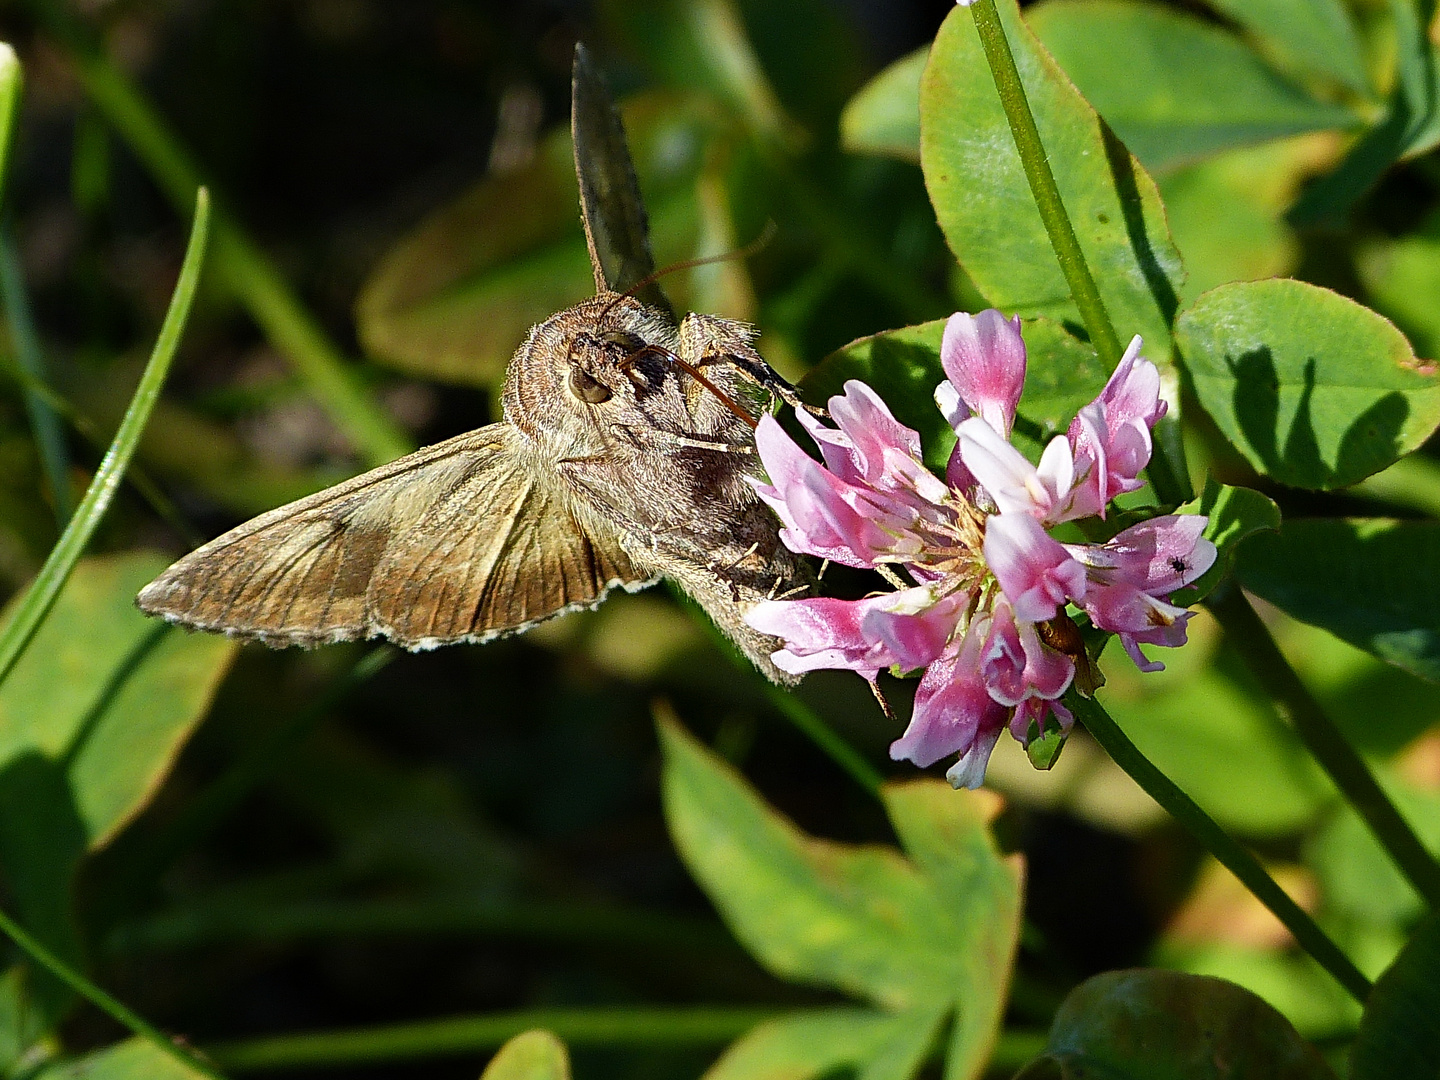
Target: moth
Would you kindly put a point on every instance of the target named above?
(624, 456)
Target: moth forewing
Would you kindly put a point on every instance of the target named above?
(461, 541)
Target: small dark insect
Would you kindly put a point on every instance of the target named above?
(1062, 635)
(1178, 564)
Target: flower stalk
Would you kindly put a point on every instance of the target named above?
(1219, 843)
(1042, 183)
(1326, 743)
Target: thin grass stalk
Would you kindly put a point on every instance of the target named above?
(41, 595)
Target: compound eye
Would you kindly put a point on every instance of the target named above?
(586, 388)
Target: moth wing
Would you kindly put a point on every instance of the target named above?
(617, 230)
(457, 542)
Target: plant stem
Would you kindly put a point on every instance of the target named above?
(204, 923)
(825, 737)
(628, 1027)
(1218, 842)
(1042, 182)
(250, 274)
(103, 1001)
(41, 595)
(1324, 740)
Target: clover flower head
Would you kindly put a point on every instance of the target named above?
(984, 610)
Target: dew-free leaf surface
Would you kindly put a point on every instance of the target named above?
(1165, 1025)
(1372, 582)
(918, 934)
(1187, 89)
(1314, 389)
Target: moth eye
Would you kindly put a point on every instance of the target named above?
(586, 388)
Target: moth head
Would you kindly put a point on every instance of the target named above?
(585, 369)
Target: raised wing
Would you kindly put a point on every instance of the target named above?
(616, 228)
(456, 542)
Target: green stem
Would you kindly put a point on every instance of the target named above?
(1243, 627)
(1042, 182)
(250, 274)
(203, 924)
(825, 737)
(103, 1001)
(1218, 842)
(63, 556)
(850, 760)
(625, 1027)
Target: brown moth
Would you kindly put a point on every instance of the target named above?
(623, 458)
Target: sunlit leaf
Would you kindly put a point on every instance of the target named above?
(988, 214)
(1187, 89)
(884, 117)
(915, 935)
(1315, 390)
(1165, 1025)
(1410, 125)
(1227, 213)
(134, 1059)
(535, 1055)
(808, 1045)
(1359, 878)
(1403, 278)
(1400, 1031)
(1314, 36)
(1374, 583)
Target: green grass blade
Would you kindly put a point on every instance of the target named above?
(632, 1027)
(66, 552)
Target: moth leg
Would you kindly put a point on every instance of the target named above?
(713, 341)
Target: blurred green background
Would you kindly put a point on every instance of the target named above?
(355, 837)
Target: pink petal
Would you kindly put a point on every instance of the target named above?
(1133, 392)
(969, 771)
(1088, 437)
(823, 515)
(1156, 556)
(1017, 665)
(984, 358)
(1120, 447)
(1012, 483)
(1037, 709)
(951, 705)
(1123, 609)
(866, 430)
(908, 629)
(1036, 572)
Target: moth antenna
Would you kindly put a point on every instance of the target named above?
(694, 372)
(759, 244)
